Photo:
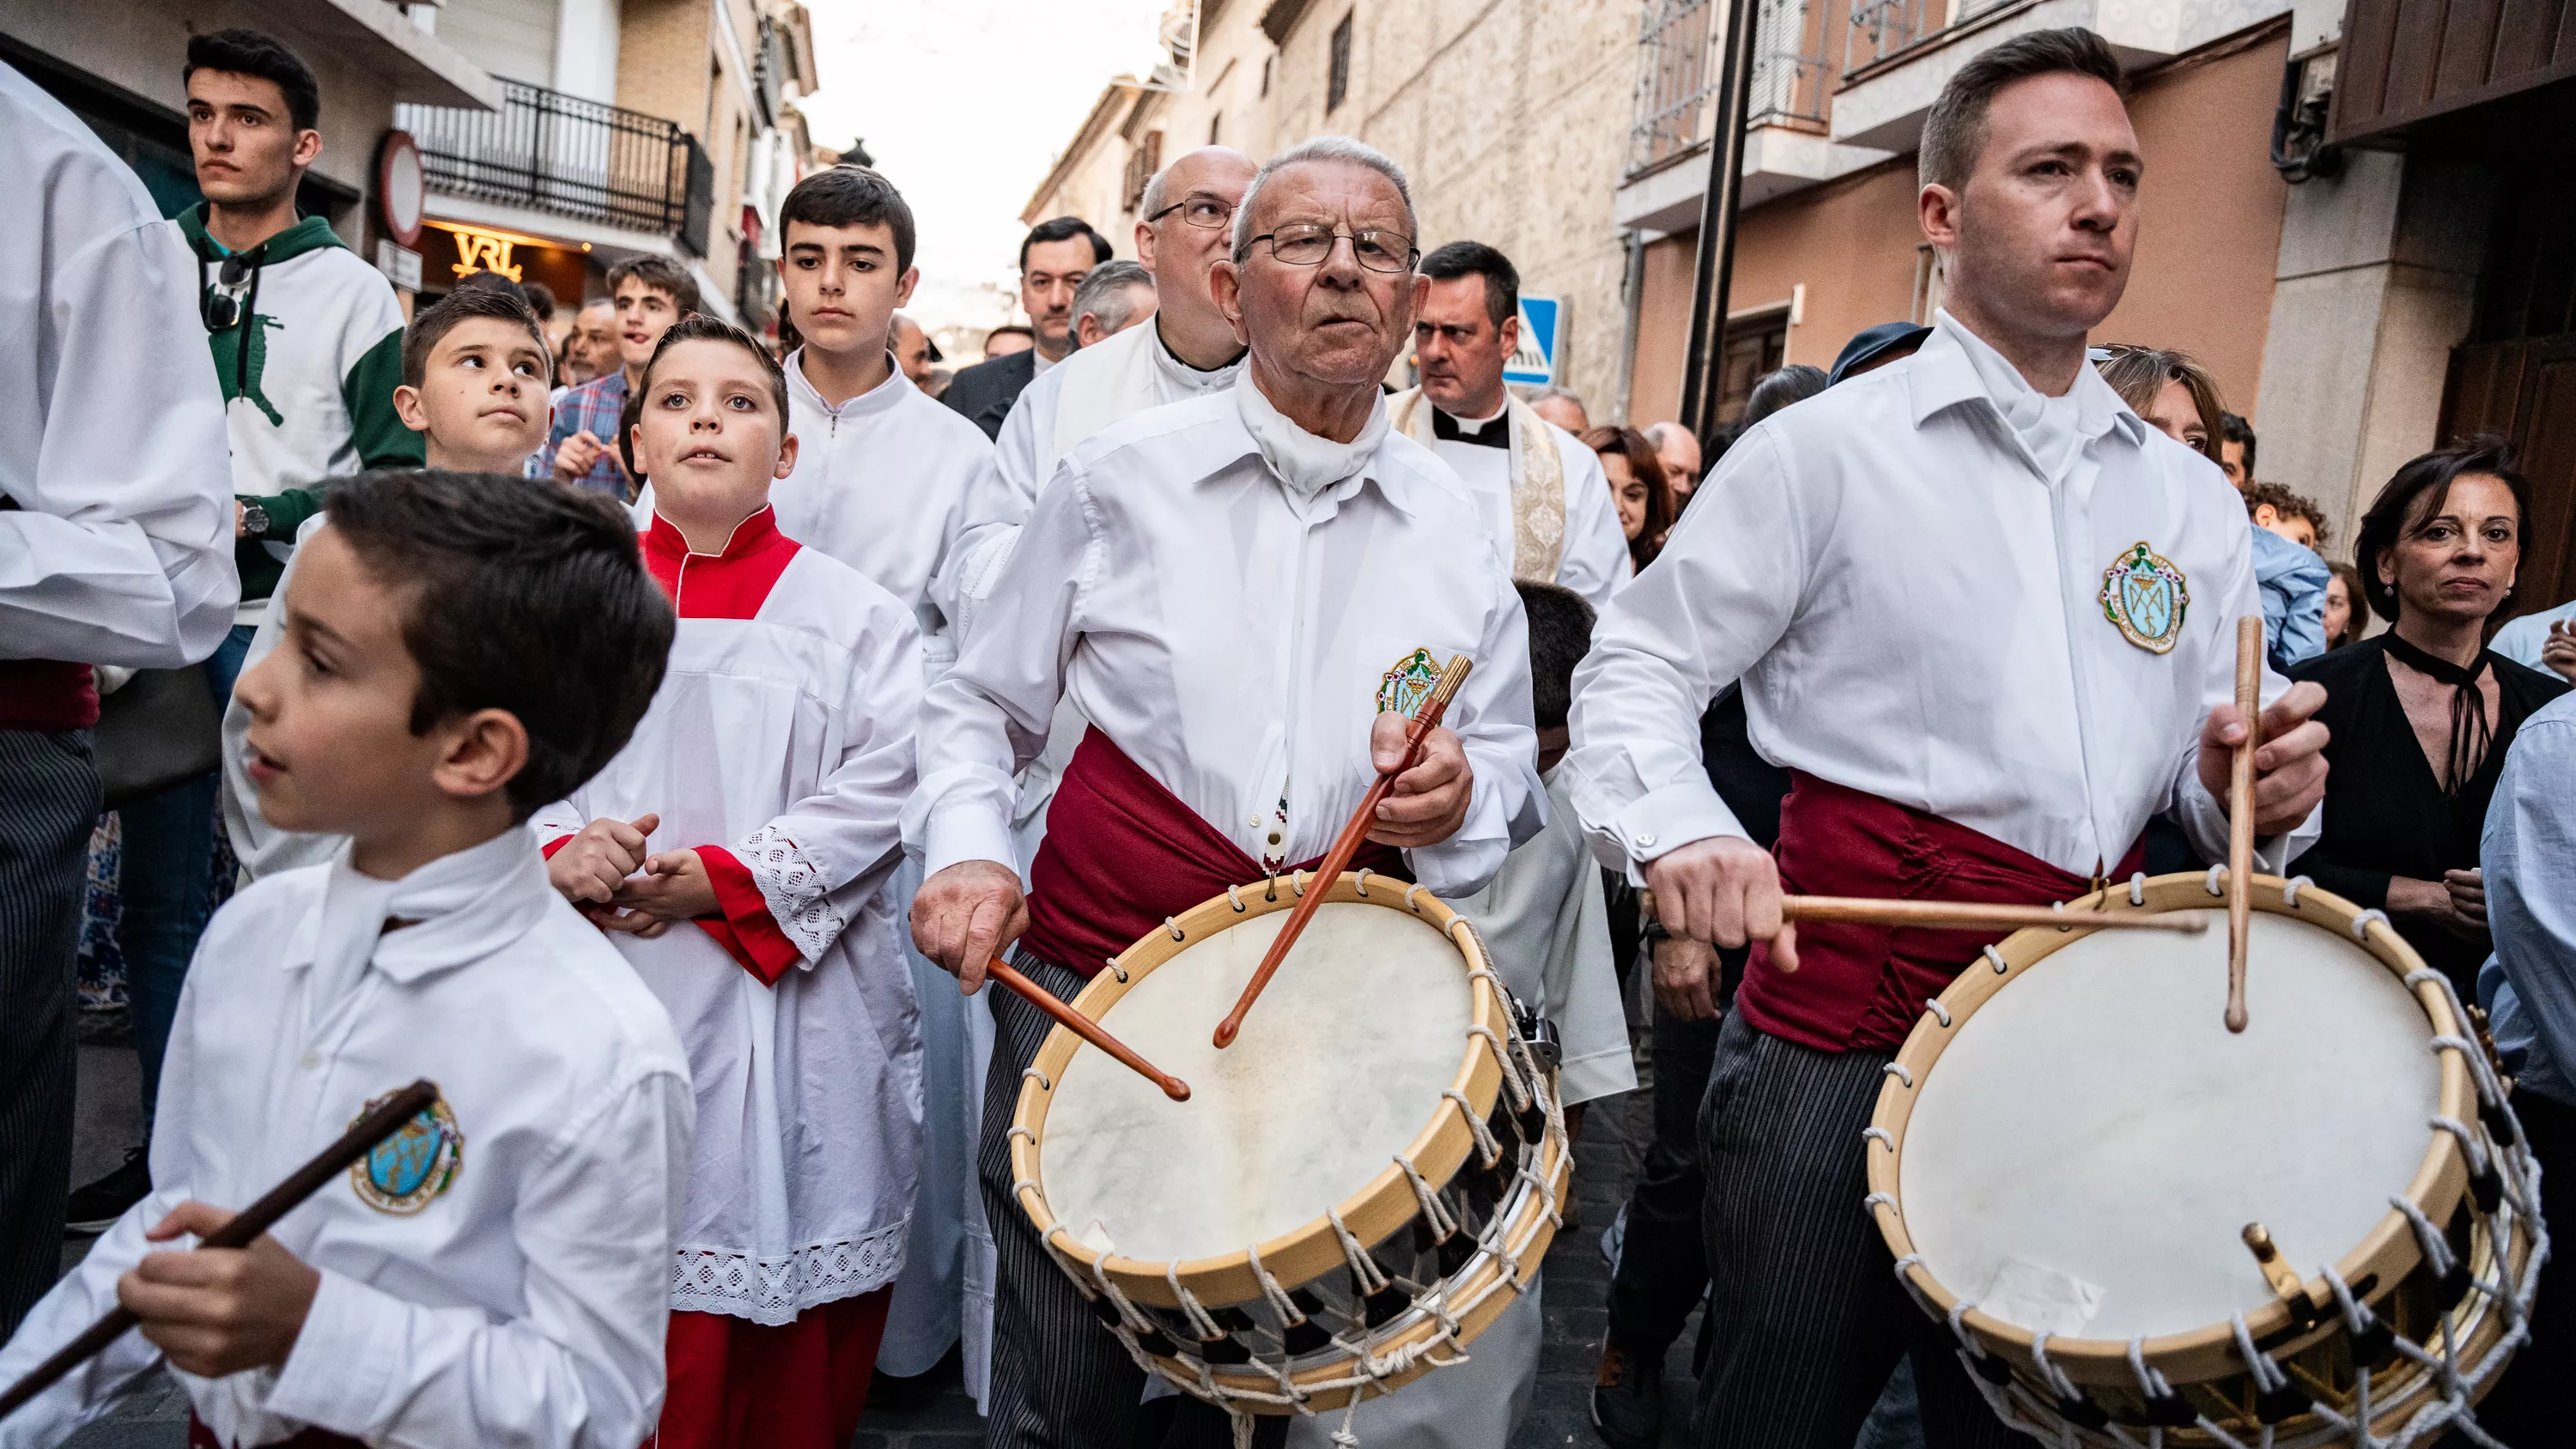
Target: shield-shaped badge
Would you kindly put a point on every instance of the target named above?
(2146, 596)
(1404, 688)
(409, 1169)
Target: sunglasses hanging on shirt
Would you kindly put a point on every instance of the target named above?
(223, 304)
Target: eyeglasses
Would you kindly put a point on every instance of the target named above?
(1308, 243)
(1207, 213)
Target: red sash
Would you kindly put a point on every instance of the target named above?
(1122, 852)
(1860, 988)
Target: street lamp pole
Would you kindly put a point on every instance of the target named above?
(1704, 373)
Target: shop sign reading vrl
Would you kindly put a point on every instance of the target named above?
(1534, 361)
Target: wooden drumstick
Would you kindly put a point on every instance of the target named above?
(244, 1229)
(1084, 1027)
(1976, 916)
(2240, 812)
(1338, 859)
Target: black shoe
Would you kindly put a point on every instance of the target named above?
(96, 1207)
(1628, 1398)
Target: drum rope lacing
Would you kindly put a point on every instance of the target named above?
(1523, 1085)
(2446, 1382)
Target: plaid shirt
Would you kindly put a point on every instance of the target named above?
(595, 407)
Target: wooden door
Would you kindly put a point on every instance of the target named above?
(2525, 390)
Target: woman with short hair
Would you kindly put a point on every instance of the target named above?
(2421, 716)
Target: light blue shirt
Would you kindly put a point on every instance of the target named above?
(2529, 856)
(2521, 640)
(2293, 582)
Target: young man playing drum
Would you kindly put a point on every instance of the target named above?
(1986, 616)
(1235, 590)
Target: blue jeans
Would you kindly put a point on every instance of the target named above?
(169, 850)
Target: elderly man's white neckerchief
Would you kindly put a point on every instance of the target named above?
(1306, 464)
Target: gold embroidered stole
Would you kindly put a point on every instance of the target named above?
(1537, 480)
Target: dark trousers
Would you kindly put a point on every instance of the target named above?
(49, 797)
(1060, 1380)
(1663, 1267)
(2528, 1409)
(1806, 1318)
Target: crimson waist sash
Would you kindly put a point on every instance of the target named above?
(1122, 852)
(1860, 987)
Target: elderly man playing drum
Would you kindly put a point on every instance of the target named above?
(1238, 591)
(1985, 616)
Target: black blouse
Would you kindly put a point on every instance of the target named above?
(2386, 814)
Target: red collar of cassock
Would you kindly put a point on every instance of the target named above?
(730, 584)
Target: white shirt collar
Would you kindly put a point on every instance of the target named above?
(1306, 465)
(878, 399)
(460, 907)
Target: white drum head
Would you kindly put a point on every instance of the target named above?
(1340, 1066)
(2084, 1154)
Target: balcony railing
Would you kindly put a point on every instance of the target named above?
(552, 152)
(1679, 65)
(1881, 28)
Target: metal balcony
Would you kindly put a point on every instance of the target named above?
(1679, 66)
(552, 152)
(1884, 28)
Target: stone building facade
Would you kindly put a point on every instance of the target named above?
(1509, 117)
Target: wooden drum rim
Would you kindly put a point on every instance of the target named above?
(2389, 1251)
(1373, 1213)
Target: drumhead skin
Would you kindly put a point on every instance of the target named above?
(1336, 1071)
(2093, 1141)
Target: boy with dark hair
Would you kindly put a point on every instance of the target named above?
(306, 340)
(650, 294)
(738, 852)
(474, 381)
(503, 1274)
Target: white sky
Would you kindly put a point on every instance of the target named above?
(965, 104)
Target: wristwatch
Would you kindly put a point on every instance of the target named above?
(254, 519)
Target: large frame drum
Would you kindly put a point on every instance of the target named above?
(1356, 1188)
(2070, 1152)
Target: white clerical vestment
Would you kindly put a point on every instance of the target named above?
(1579, 526)
(780, 748)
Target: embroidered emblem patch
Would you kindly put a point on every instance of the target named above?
(2146, 596)
(415, 1165)
(1408, 684)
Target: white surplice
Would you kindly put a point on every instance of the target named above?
(1223, 595)
(1908, 572)
(518, 1299)
(782, 735)
(1593, 560)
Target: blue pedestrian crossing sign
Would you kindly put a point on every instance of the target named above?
(1534, 363)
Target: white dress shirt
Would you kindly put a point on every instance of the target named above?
(888, 482)
(1229, 631)
(1593, 560)
(119, 546)
(1906, 573)
(783, 733)
(524, 1303)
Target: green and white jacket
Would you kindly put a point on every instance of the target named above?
(308, 377)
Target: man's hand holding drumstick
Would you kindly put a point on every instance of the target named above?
(1726, 890)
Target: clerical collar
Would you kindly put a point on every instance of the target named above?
(1493, 432)
(1223, 371)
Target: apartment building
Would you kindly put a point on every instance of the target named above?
(668, 127)
(1508, 117)
(2354, 211)
(117, 65)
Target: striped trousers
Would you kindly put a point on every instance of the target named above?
(1060, 1380)
(49, 795)
(1806, 1318)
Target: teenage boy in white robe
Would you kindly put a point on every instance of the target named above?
(738, 853)
(459, 648)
